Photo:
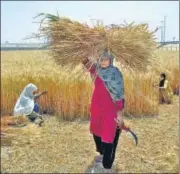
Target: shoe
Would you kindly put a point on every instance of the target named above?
(41, 122)
(108, 171)
(97, 168)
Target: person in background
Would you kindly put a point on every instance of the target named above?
(26, 105)
(177, 90)
(106, 106)
(165, 90)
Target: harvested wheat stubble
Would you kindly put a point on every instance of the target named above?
(71, 41)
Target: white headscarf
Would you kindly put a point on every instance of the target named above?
(25, 103)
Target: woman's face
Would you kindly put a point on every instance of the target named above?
(105, 62)
(35, 92)
(161, 78)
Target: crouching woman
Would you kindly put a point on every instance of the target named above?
(26, 105)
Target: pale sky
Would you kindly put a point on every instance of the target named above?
(17, 16)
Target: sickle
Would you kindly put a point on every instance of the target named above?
(127, 129)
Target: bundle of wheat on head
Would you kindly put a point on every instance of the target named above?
(70, 41)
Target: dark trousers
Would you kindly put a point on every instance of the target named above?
(108, 150)
(36, 108)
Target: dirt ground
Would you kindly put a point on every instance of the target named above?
(68, 147)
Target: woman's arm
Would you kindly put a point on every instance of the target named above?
(119, 106)
(120, 103)
(36, 96)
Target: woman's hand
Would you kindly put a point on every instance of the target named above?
(119, 119)
(44, 92)
(85, 60)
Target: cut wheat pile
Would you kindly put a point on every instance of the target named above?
(71, 41)
(10, 128)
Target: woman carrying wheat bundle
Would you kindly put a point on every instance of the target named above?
(106, 108)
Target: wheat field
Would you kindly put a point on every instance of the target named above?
(69, 92)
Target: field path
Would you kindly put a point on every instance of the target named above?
(68, 147)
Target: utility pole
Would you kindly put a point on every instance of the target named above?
(164, 28)
(173, 38)
(162, 35)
